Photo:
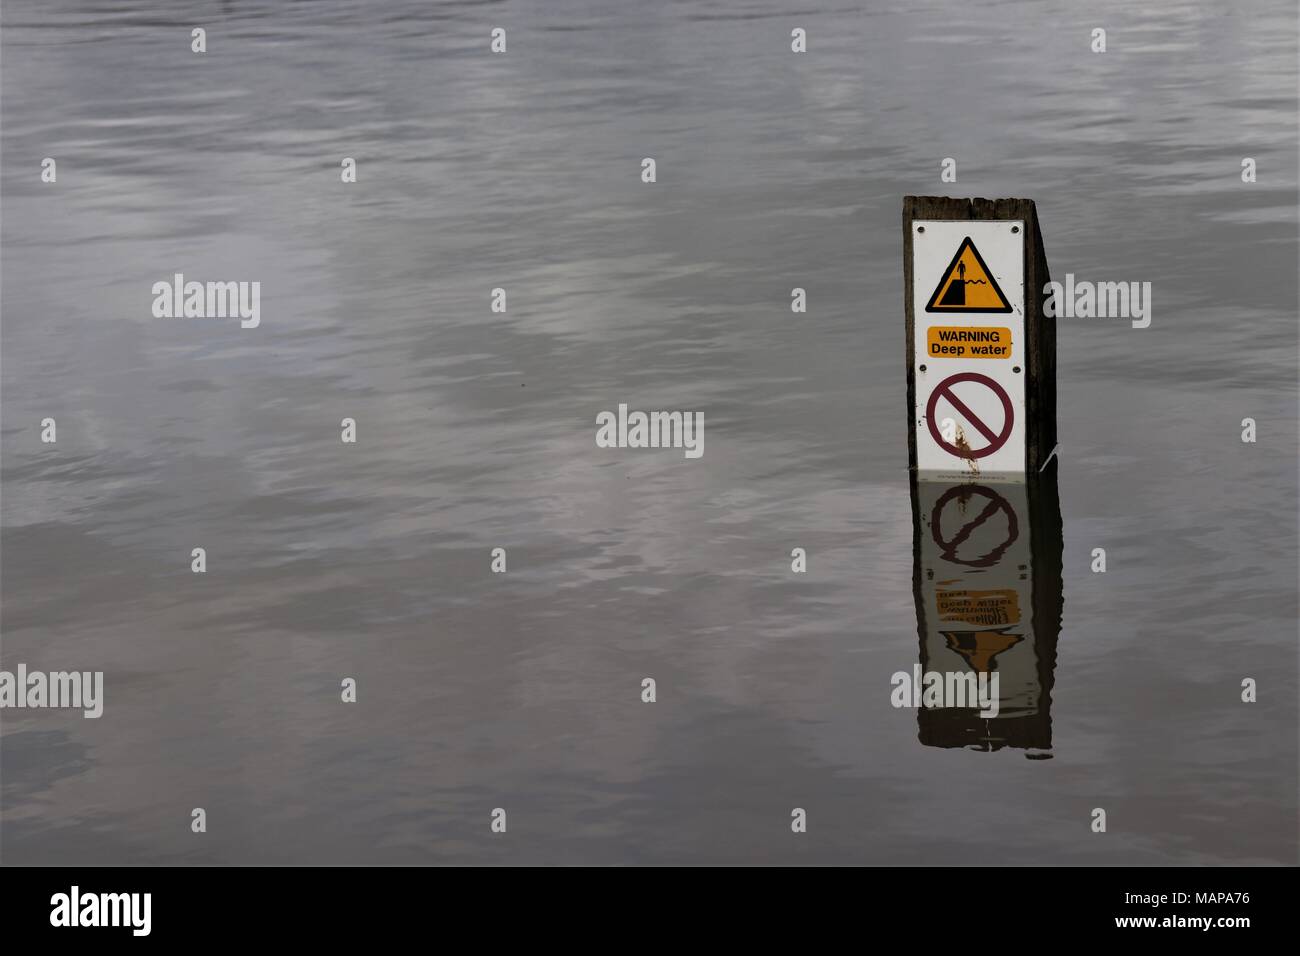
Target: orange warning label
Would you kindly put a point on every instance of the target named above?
(979, 343)
(985, 608)
(967, 285)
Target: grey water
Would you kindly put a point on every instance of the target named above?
(475, 430)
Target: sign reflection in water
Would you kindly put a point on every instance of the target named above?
(987, 583)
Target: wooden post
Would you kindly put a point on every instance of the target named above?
(1035, 331)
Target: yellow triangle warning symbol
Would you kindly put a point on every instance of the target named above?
(967, 285)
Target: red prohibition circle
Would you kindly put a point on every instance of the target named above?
(944, 388)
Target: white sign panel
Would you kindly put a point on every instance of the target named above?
(968, 294)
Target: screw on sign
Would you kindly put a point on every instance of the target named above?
(995, 505)
(996, 438)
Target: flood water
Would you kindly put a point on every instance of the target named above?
(475, 430)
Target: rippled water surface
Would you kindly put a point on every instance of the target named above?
(522, 171)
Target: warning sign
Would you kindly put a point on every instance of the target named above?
(967, 285)
(969, 373)
(947, 341)
(962, 443)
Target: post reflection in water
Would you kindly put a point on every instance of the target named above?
(986, 578)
